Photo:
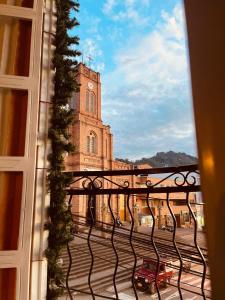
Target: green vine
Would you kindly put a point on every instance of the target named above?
(60, 223)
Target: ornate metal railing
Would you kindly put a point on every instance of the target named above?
(137, 232)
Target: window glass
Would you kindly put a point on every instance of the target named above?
(11, 184)
(90, 102)
(91, 143)
(150, 266)
(22, 3)
(15, 41)
(13, 115)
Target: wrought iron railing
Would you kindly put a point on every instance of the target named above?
(138, 234)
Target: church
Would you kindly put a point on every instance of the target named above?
(93, 141)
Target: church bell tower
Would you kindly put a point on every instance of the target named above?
(93, 139)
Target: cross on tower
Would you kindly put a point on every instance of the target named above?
(90, 59)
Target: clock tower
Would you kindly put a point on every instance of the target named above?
(92, 139)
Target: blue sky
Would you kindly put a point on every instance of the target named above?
(139, 47)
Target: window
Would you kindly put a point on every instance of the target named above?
(20, 61)
(10, 199)
(90, 101)
(92, 143)
(15, 43)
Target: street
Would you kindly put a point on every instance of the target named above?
(105, 259)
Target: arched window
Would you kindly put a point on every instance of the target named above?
(92, 143)
(90, 101)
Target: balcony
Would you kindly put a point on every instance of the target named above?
(125, 218)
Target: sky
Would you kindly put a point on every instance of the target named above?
(140, 49)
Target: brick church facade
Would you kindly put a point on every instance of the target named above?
(93, 139)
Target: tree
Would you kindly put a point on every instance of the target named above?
(60, 219)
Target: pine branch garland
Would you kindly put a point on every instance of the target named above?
(60, 225)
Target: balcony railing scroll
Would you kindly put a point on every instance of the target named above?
(137, 233)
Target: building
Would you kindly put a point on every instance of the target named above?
(92, 139)
(160, 206)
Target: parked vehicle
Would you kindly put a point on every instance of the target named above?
(146, 277)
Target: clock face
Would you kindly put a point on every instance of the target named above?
(90, 85)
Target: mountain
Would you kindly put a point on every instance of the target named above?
(165, 159)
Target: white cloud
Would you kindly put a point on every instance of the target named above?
(90, 48)
(174, 24)
(160, 52)
(149, 92)
(127, 10)
(145, 2)
(108, 6)
(92, 54)
(177, 131)
(100, 67)
(114, 34)
(136, 3)
(155, 60)
(132, 15)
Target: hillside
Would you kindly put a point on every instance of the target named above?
(165, 159)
